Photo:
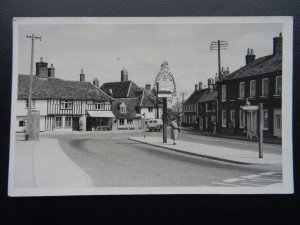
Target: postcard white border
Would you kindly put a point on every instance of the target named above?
(287, 107)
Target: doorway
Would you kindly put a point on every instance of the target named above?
(277, 123)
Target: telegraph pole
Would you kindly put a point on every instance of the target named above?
(29, 133)
(157, 101)
(218, 45)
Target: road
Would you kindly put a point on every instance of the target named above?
(111, 160)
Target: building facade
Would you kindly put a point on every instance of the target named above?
(259, 81)
(132, 104)
(63, 104)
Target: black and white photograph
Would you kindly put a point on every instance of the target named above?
(174, 105)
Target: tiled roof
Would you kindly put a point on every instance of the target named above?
(208, 96)
(54, 88)
(130, 108)
(194, 97)
(147, 99)
(263, 65)
(122, 89)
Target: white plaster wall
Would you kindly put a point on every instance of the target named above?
(22, 118)
(151, 115)
(40, 105)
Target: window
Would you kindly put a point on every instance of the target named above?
(130, 121)
(266, 119)
(150, 109)
(265, 87)
(32, 104)
(223, 93)
(68, 122)
(223, 118)
(232, 117)
(206, 122)
(252, 88)
(21, 123)
(242, 90)
(99, 105)
(206, 107)
(121, 121)
(58, 122)
(278, 85)
(242, 119)
(66, 104)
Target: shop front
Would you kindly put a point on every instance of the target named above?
(99, 120)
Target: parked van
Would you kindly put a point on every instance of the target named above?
(154, 124)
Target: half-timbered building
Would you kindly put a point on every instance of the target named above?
(64, 104)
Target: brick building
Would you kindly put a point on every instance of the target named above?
(259, 81)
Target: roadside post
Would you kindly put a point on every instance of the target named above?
(165, 93)
(261, 123)
(144, 114)
(250, 109)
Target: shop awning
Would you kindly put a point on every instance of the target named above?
(103, 114)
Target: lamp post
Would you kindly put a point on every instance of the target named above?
(29, 126)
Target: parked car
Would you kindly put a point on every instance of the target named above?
(154, 124)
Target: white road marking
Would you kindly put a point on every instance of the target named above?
(266, 179)
(223, 183)
(251, 176)
(249, 184)
(232, 180)
(268, 173)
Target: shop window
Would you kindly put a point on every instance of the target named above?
(130, 121)
(68, 121)
(58, 122)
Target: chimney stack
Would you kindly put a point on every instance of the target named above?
(277, 45)
(148, 87)
(200, 86)
(82, 76)
(51, 71)
(250, 57)
(196, 87)
(96, 82)
(41, 69)
(124, 74)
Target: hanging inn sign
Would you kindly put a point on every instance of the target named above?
(165, 83)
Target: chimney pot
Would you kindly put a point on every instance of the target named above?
(248, 51)
(251, 51)
(41, 59)
(82, 76)
(277, 44)
(196, 87)
(200, 86)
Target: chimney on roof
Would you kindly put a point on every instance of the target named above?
(148, 87)
(250, 57)
(124, 74)
(82, 76)
(41, 69)
(210, 83)
(51, 71)
(196, 87)
(200, 86)
(217, 77)
(277, 45)
(96, 82)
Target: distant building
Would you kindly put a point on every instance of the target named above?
(63, 104)
(132, 103)
(259, 81)
(207, 103)
(190, 107)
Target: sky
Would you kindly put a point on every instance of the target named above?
(102, 50)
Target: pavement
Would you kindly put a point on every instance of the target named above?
(236, 137)
(225, 154)
(43, 164)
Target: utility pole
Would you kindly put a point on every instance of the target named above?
(157, 101)
(29, 125)
(218, 45)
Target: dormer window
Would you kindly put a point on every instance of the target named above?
(123, 108)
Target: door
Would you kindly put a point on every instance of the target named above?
(277, 122)
(75, 123)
